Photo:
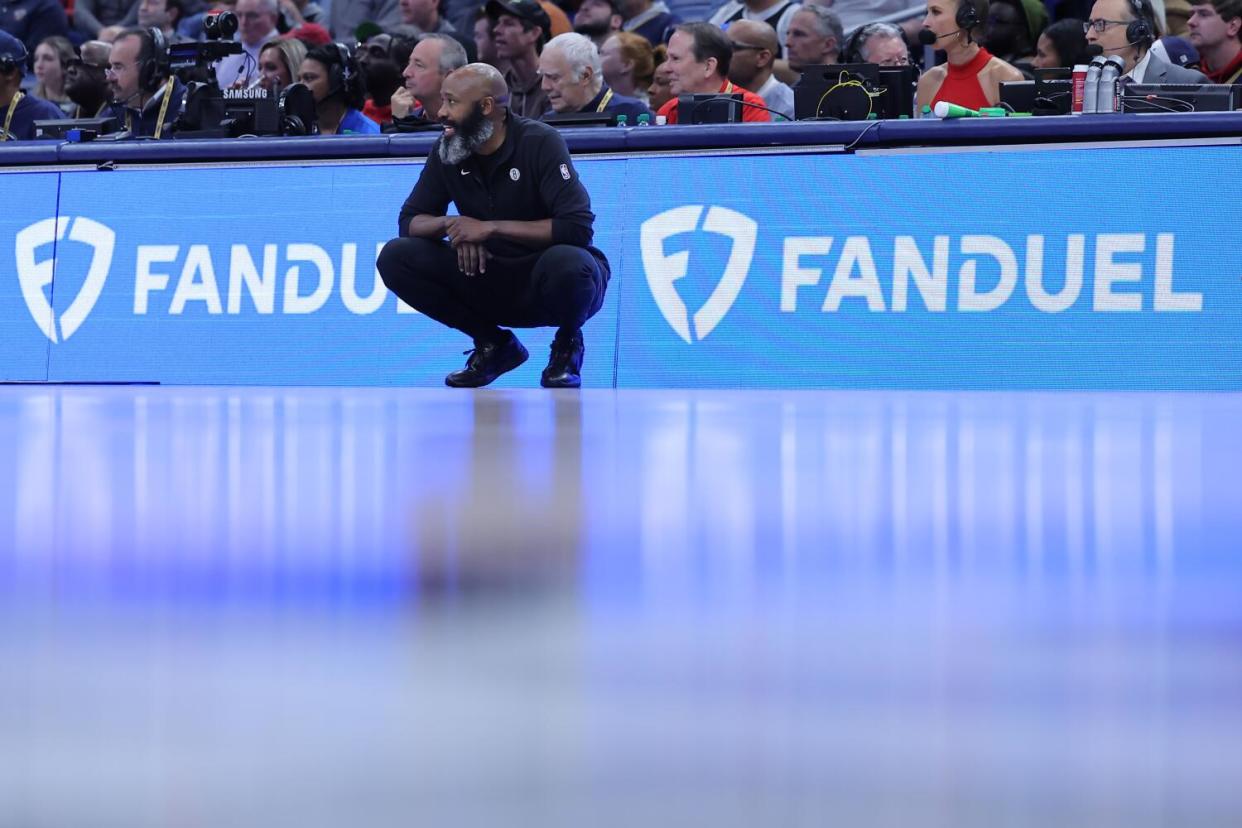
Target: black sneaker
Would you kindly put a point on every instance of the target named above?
(488, 361)
(565, 364)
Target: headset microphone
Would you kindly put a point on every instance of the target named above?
(928, 38)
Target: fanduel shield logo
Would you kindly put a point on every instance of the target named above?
(35, 276)
(664, 270)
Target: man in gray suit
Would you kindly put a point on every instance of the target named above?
(1127, 28)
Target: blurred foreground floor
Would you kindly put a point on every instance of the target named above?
(388, 607)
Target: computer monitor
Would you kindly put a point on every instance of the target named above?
(61, 127)
(709, 109)
(1181, 97)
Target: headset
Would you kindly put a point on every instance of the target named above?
(967, 17)
(15, 61)
(154, 67)
(1141, 30)
(342, 76)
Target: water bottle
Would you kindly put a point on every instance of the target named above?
(1092, 85)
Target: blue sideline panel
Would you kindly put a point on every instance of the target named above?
(818, 301)
(26, 273)
(806, 248)
(266, 276)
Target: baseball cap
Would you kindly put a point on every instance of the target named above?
(13, 50)
(1180, 51)
(528, 10)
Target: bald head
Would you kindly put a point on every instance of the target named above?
(755, 48)
(754, 33)
(478, 80)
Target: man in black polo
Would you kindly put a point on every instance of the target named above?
(519, 254)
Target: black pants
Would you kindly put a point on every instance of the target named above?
(562, 286)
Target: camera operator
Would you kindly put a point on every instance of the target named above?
(332, 76)
(146, 98)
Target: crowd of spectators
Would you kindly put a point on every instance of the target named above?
(377, 65)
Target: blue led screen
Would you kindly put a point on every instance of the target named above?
(1065, 268)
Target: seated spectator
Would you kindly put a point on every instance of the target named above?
(85, 80)
(558, 21)
(652, 20)
(335, 81)
(145, 98)
(51, 61)
(89, 16)
(754, 51)
(485, 41)
(660, 91)
(854, 14)
(972, 76)
(814, 39)
(1216, 32)
(280, 63)
(345, 16)
(19, 111)
(1013, 28)
(256, 26)
(573, 79)
(311, 35)
(776, 13)
(629, 64)
(1177, 51)
(698, 56)
(598, 20)
(424, 15)
(1110, 28)
(521, 27)
(1061, 44)
(161, 14)
(381, 78)
(294, 13)
(417, 104)
(880, 43)
(33, 21)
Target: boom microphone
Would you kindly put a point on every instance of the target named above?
(1094, 50)
(928, 38)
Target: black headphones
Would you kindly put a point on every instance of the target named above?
(967, 16)
(18, 61)
(154, 66)
(1141, 30)
(344, 73)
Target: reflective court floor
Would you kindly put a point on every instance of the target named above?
(257, 606)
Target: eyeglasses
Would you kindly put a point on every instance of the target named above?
(118, 68)
(742, 47)
(1102, 25)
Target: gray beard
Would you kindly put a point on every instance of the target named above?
(458, 147)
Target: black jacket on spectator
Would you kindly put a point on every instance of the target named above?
(142, 124)
(29, 109)
(531, 177)
(30, 21)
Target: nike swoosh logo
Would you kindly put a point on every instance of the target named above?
(465, 172)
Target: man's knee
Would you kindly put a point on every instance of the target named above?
(401, 259)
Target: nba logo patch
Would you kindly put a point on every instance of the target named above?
(514, 174)
(565, 171)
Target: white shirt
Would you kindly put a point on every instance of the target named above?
(243, 67)
(1140, 69)
(778, 96)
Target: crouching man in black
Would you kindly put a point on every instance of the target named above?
(518, 255)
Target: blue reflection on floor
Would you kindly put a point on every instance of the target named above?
(303, 490)
(619, 607)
